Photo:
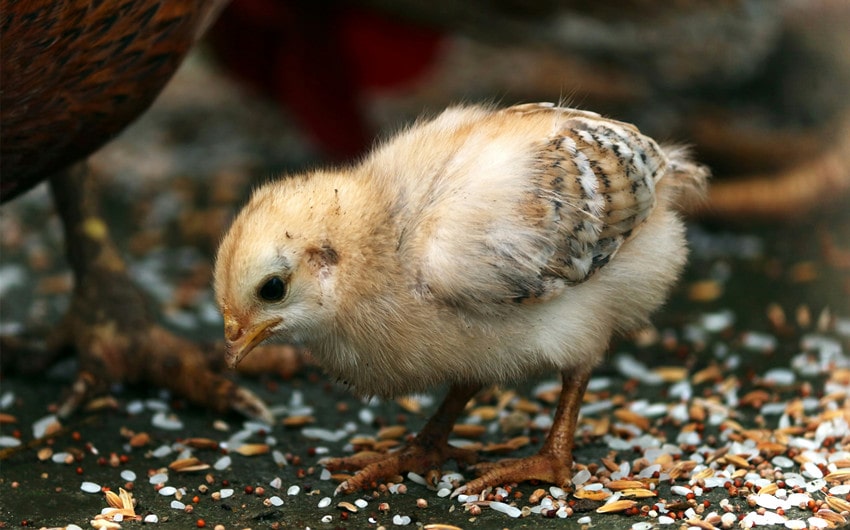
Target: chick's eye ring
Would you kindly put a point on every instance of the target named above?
(272, 290)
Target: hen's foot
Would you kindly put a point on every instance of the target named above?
(111, 328)
(427, 451)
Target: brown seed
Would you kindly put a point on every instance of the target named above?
(671, 374)
(599, 427)
(682, 469)
(610, 464)
(113, 500)
(617, 485)
(298, 421)
(7, 418)
(768, 489)
(362, 441)
(696, 412)
(804, 316)
(755, 398)
(771, 449)
(140, 439)
(737, 461)
(838, 504)
(187, 465)
(409, 404)
(595, 495)
(485, 413)
(549, 396)
(804, 272)
(102, 403)
(52, 429)
(628, 416)
(710, 373)
(467, 430)
(537, 496)
(839, 475)
(526, 405)
(776, 316)
(830, 515)
(201, 443)
(441, 526)
(253, 449)
(44, 453)
(705, 291)
(345, 505)
(640, 493)
(616, 506)
(392, 432)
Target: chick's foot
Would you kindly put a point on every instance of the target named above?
(110, 326)
(382, 467)
(553, 464)
(427, 451)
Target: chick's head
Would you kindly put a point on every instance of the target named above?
(272, 278)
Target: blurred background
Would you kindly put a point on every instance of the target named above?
(758, 88)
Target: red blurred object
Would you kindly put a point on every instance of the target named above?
(318, 58)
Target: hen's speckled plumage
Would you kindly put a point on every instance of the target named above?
(479, 247)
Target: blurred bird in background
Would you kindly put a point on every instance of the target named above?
(74, 74)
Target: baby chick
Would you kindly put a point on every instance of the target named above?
(483, 246)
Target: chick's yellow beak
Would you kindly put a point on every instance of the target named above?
(239, 340)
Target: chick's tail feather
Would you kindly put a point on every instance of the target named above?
(685, 182)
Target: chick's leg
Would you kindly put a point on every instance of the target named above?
(427, 451)
(553, 463)
(110, 325)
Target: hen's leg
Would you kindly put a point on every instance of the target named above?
(553, 463)
(427, 451)
(111, 325)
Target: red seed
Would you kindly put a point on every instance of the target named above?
(201, 523)
(249, 489)
(79, 471)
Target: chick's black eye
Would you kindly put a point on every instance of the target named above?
(273, 290)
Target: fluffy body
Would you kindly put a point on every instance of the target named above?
(480, 247)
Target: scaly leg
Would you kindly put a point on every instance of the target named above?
(110, 324)
(553, 463)
(427, 451)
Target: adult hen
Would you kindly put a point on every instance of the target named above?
(74, 74)
(480, 247)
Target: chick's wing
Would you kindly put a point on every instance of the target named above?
(513, 206)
